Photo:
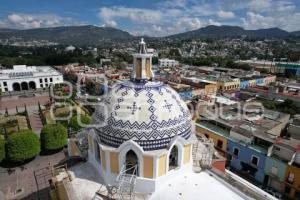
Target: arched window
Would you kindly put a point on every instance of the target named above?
(16, 87)
(173, 158)
(24, 86)
(132, 163)
(97, 151)
(32, 85)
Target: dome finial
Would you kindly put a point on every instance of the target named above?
(142, 47)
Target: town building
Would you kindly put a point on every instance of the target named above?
(226, 84)
(165, 62)
(254, 147)
(208, 87)
(23, 77)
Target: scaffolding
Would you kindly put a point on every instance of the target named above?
(126, 183)
(203, 151)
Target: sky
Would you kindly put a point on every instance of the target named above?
(151, 17)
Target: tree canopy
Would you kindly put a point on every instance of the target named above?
(22, 145)
(74, 122)
(2, 149)
(53, 137)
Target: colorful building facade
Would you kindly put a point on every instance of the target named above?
(244, 84)
(219, 136)
(247, 159)
(292, 182)
(275, 169)
(230, 84)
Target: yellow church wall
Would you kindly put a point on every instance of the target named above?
(90, 140)
(148, 67)
(187, 155)
(162, 165)
(103, 160)
(114, 162)
(148, 167)
(138, 68)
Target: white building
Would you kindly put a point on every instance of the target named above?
(165, 62)
(23, 77)
(70, 48)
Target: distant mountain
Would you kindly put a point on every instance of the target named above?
(230, 31)
(296, 33)
(68, 34)
(6, 30)
(91, 35)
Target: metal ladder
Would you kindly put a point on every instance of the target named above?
(126, 183)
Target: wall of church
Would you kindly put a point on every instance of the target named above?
(187, 154)
(114, 162)
(90, 140)
(162, 165)
(103, 160)
(148, 167)
(138, 68)
(148, 67)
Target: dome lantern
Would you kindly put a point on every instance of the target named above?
(142, 64)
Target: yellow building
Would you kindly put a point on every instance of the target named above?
(228, 84)
(292, 182)
(252, 83)
(210, 89)
(218, 135)
(207, 87)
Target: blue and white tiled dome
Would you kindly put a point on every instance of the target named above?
(151, 113)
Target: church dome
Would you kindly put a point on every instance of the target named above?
(146, 111)
(150, 113)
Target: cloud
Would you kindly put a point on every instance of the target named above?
(270, 6)
(173, 3)
(257, 21)
(110, 23)
(259, 5)
(133, 14)
(189, 23)
(169, 17)
(27, 21)
(285, 21)
(225, 15)
(150, 21)
(213, 22)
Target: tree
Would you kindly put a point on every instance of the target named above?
(74, 122)
(288, 106)
(90, 86)
(53, 137)
(22, 145)
(2, 149)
